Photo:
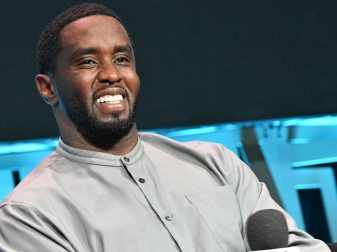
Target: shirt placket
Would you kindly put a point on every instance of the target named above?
(154, 192)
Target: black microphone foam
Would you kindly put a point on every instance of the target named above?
(332, 247)
(267, 229)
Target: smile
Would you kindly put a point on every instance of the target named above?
(113, 99)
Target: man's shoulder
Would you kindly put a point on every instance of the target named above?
(159, 142)
(156, 139)
(34, 184)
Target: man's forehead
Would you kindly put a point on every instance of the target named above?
(92, 18)
(94, 27)
(93, 21)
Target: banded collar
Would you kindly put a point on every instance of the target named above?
(99, 158)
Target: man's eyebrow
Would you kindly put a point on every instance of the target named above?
(91, 50)
(124, 48)
(83, 51)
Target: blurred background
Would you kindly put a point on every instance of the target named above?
(257, 76)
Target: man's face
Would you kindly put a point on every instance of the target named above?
(96, 78)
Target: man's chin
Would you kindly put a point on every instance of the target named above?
(114, 119)
(100, 129)
(106, 133)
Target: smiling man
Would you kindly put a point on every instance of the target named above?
(108, 187)
(92, 85)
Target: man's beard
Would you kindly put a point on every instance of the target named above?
(101, 134)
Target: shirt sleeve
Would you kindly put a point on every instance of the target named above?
(254, 196)
(23, 228)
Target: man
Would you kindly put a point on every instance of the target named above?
(109, 188)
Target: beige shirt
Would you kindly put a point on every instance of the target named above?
(162, 196)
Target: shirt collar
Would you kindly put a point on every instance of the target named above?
(99, 158)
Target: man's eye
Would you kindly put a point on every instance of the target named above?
(122, 60)
(88, 63)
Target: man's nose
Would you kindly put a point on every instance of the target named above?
(109, 73)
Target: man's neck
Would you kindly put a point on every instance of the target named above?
(122, 147)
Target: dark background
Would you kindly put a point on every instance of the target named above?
(200, 62)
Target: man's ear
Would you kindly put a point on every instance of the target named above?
(45, 86)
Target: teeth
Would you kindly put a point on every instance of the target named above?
(110, 99)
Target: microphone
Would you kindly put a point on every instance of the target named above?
(332, 247)
(267, 230)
